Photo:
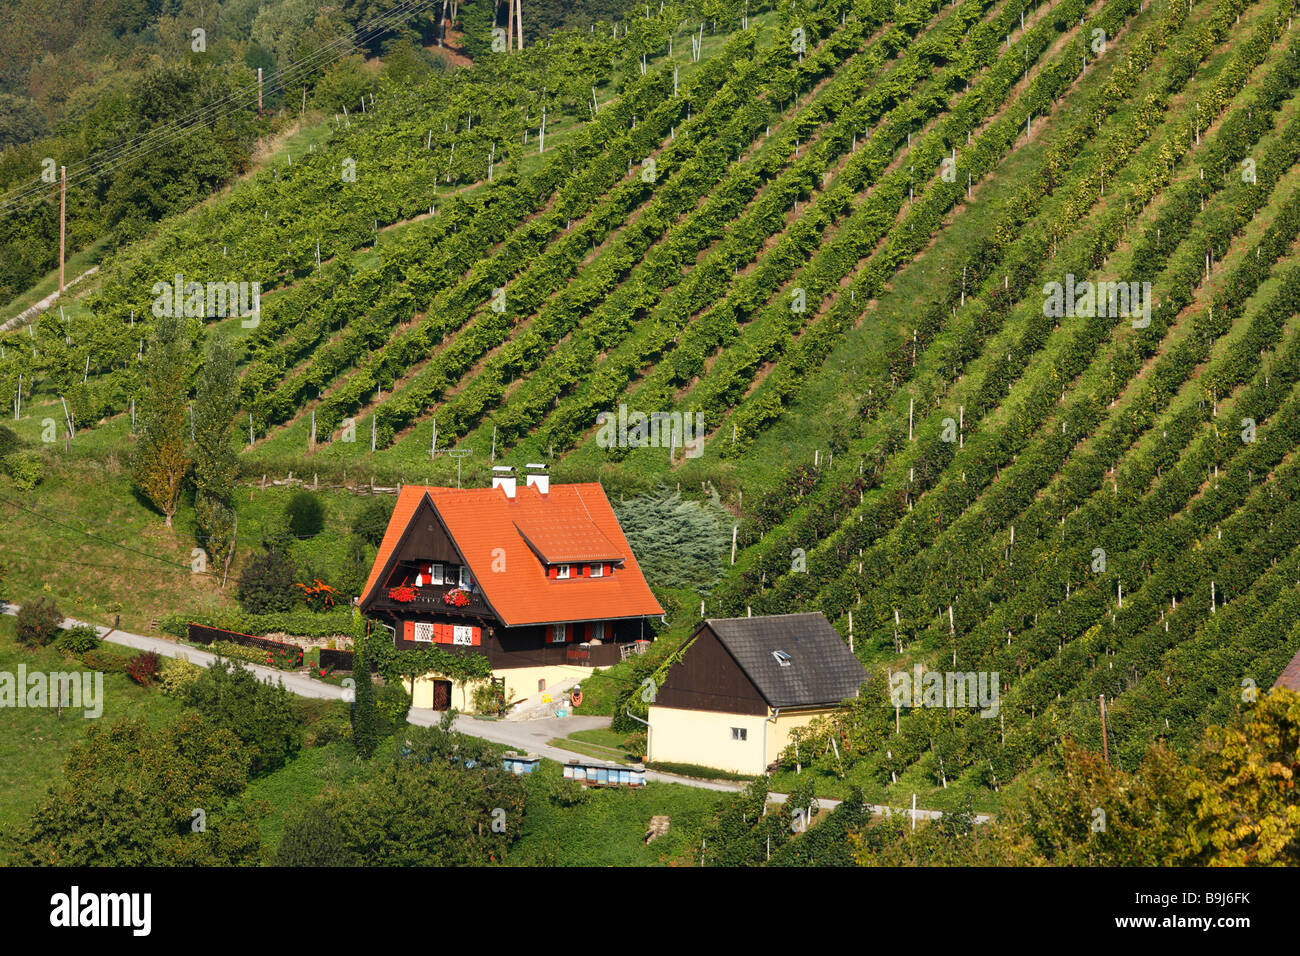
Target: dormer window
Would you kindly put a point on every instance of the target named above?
(562, 572)
(597, 571)
(782, 658)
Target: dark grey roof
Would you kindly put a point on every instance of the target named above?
(822, 669)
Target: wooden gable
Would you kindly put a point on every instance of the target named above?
(708, 678)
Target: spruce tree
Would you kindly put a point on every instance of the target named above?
(160, 460)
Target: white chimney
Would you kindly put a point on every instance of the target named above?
(538, 478)
(503, 477)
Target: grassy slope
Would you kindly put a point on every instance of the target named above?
(34, 743)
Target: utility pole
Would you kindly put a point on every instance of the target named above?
(63, 220)
(259, 104)
(1105, 747)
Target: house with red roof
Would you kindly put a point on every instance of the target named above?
(536, 577)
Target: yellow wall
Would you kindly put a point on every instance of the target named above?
(704, 737)
(521, 682)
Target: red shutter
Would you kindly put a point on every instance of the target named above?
(477, 637)
(584, 571)
(408, 630)
(552, 572)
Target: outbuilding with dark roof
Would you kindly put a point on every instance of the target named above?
(743, 684)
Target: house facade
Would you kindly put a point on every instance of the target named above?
(537, 578)
(743, 684)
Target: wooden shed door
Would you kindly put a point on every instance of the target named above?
(441, 695)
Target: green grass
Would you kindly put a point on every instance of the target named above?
(34, 742)
(608, 829)
(695, 770)
(280, 795)
(110, 553)
(598, 742)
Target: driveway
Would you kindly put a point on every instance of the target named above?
(529, 736)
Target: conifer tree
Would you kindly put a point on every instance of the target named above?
(160, 459)
(365, 733)
(216, 402)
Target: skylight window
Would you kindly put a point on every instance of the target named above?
(782, 658)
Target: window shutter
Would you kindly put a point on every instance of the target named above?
(408, 630)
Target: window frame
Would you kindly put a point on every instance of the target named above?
(563, 572)
(740, 734)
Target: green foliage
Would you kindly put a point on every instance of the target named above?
(489, 698)
(267, 584)
(177, 675)
(365, 719)
(741, 831)
(141, 786)
(105, 660)
(216, 402)
(306, 515)
(339, 621)
(356, 567)
(372, 521)
(392, 705)
(678, 543)
(260, 715)
(39, 622)
(160, 459)
(79, 639)
(424, 807)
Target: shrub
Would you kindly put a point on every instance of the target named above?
(489, 698)
(239, 652)
(39, 622)
(25, 468)
(144, 667)
(260, 715)
(78, 640)
(371, 523)
(106, 661)
(392, 705)
(267, 584)
(320, 596)
(635, 744)
(177, 674)
(306, 515)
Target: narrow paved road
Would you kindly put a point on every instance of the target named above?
(530, 736)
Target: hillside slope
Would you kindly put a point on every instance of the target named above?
(834, 237)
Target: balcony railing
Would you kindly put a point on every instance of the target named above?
(430, 598)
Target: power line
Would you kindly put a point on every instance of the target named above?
(94, 537)
(113, 158)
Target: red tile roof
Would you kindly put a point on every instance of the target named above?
(569, 524)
